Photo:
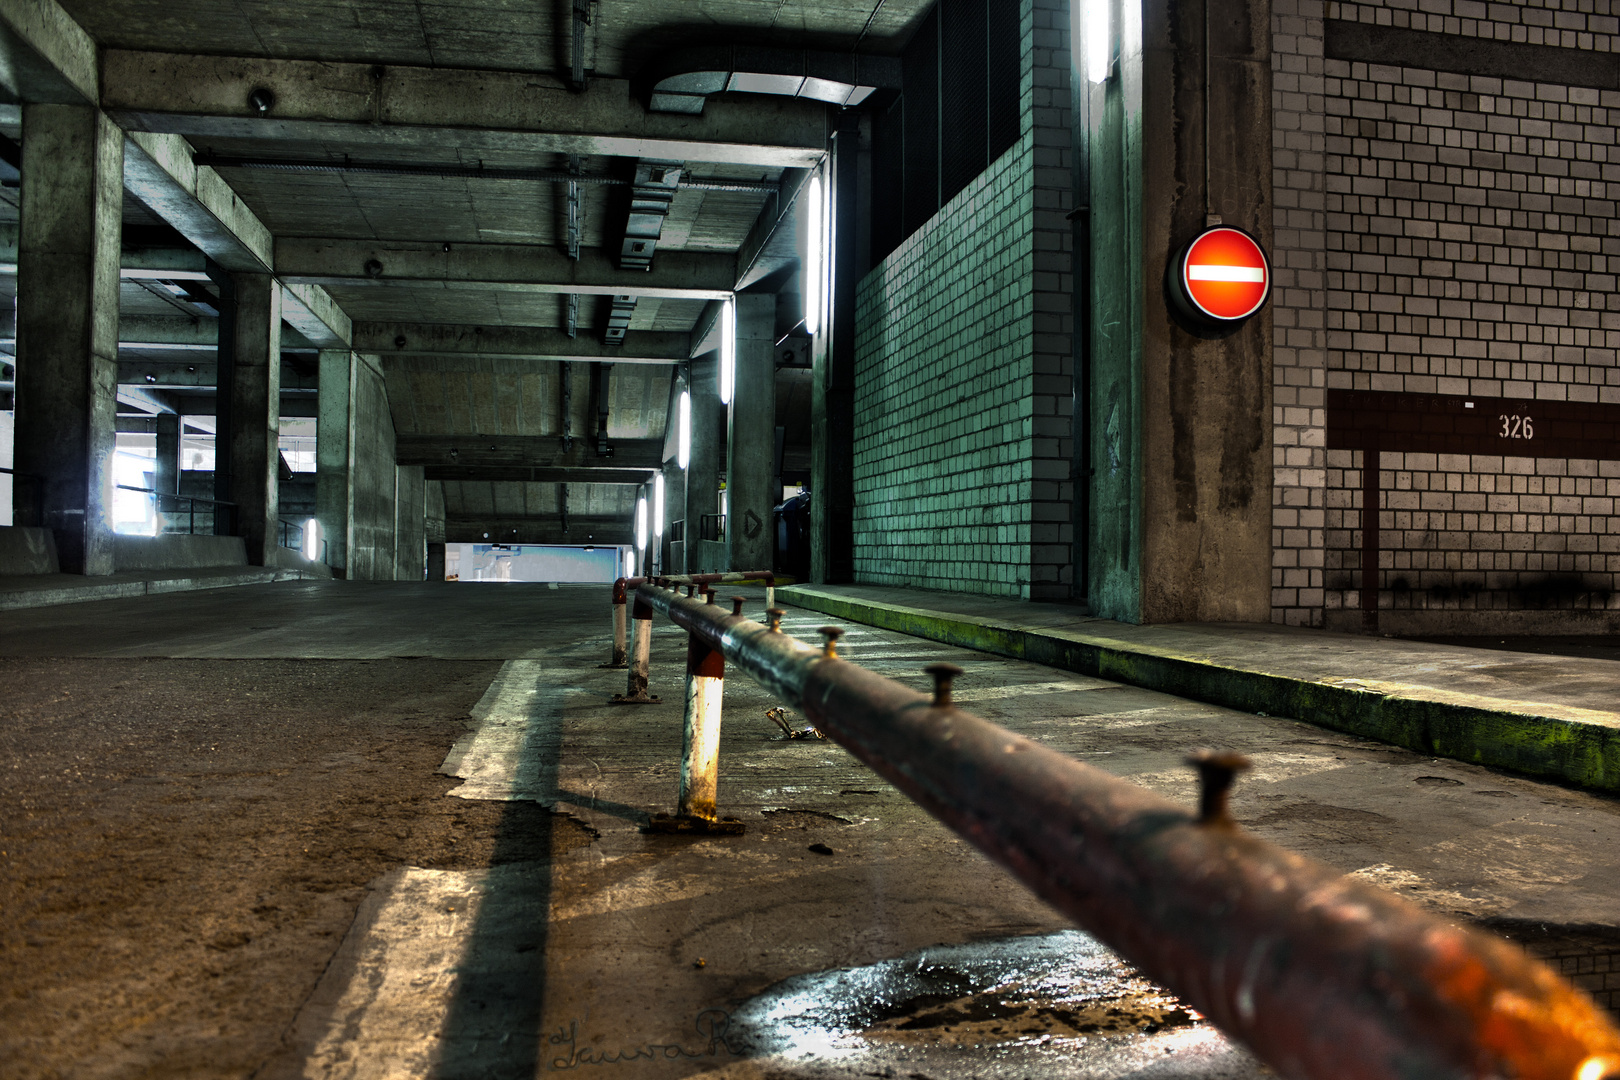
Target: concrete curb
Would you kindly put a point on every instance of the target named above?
(19, 599)
(1553, 742)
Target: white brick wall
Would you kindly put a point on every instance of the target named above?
(1450, 234)
(1299, 312)
(1568, 24)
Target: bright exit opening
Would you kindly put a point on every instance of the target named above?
(533, 562)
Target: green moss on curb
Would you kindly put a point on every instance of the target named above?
(1586, 755)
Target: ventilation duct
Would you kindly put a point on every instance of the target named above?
(681, 82)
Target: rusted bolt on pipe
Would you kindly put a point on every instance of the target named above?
(736, 605)
(944, 675)
(830, 648)
(1217, 769)
(774, 618)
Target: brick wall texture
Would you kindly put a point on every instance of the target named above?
(963, 367)
(1443, 234)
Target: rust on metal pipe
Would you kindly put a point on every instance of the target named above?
(1323, 976)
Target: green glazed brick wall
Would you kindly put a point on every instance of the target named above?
(944, 375)
(964, 366)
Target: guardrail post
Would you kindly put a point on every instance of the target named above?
(619, 629)
(695, 811)
(640, 659)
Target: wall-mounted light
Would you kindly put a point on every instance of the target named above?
(1099, 40)
(629, 563)
(683, 443)
(814, 272)
(312, 539)
(658, 505)
(641, 523)
(728, 350)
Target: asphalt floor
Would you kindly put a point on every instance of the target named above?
(479, 898)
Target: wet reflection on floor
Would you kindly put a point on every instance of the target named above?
(1059, 1003)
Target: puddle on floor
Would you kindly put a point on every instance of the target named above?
(1060, 1004)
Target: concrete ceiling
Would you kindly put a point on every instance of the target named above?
(461, 282)
(506, 35)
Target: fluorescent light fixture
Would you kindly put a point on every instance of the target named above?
(1099, 45)
(658, 505)
(683, 444)
(641, 523)
(312, 539)
(629, 563)
(814, 272)
(728, 350)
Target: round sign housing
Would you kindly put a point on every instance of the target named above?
(1222, 277)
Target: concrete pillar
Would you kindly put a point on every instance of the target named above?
(410, 518)
(435, 561)
(334, 450)
(256, 415)
(674, 510)
(167, 476)
(832, 399)
(751, 439)
(1179, 422)
(67, 329)
(703, 470)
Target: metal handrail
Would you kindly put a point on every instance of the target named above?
(174, 495)
(1320, 975)
(191, 501)
(621, 593)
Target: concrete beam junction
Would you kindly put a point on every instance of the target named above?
(204, 209)
(400, 107)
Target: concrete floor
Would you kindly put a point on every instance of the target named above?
(845, 933)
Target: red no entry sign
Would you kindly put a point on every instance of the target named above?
(1224, 275)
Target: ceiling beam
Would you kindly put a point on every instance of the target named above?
(523, 451)
(166, 332)
(461, 474)
(149, 263)
(369, 106)
(159, 374)
(48, 57)
(391, 339)
(351, 263)
(601, 531)
(778, 214)
(197, 202)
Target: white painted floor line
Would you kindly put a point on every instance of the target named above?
(427, 942)
(397, 970)
(518, 732)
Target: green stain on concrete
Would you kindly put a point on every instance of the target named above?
(1586, 755)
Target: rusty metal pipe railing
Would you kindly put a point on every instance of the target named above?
(621, 596)
(1324, 977)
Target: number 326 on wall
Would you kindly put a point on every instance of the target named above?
(1516, 427)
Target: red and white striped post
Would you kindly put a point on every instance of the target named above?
(640, 659)
(697, 808)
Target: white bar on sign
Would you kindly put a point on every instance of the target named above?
(1213, 272)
